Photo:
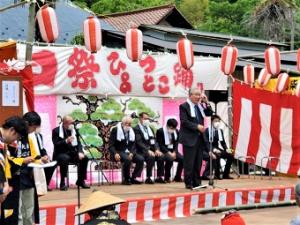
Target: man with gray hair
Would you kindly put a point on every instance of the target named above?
(192, 113)
(122, 149)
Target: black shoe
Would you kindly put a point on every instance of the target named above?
(218, 178)
(196, 185)
(63, 187)
(178, 179)
(159, 180)
(126, 182)
(134, 181)
(149, 181)
(82, 185)
(167, 180)
(205, 178)
(190, 187)
(228, 177)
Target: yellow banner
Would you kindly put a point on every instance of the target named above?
(272, 84)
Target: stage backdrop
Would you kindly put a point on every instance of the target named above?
(72, 70)
(267, 124)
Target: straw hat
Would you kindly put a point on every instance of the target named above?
(98, 199)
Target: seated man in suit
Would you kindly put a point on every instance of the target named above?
(219, 149)
(147, 147)
(167, 139)
(122, 148)
(67, 148)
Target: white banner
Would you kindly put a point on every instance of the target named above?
(72, 70)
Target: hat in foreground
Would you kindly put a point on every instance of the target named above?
(98, 199)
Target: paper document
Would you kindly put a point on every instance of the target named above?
(42, 165)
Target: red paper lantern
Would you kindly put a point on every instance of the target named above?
(282, 82)
(47, 21)
(185, 53)
(263, 78)
(297, 91)
(228, 59)
(248, 74)
(272, 60)
(298, 59)
(134, 44)
(92, 34)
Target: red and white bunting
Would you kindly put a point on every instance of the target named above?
(92, 34)
(248, 74)
(272, 60)
(298, 59)
(185, 53)
(282, 82)
(48, 25)
(263, 78)
(134, 44)
(297, 91)
(228, 59)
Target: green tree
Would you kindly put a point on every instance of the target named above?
(224, 17)
(193, 10)
(275, 19)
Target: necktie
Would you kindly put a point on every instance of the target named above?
(198, 113)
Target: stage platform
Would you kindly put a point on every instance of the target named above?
(165, 201)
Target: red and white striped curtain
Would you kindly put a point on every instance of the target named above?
(267, 124)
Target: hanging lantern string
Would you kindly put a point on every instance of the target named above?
(230, 40)
(282, 69)
(183, 33)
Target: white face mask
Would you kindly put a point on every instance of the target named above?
(146, 123)
(71, 127)
(126, 128)
(216, 125)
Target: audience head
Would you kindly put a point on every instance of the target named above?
(172, 125)
(144, 119)
(126, 123)
(33, 120)
(13, 129)
(195, 95)
(68, 122)
(215, 119)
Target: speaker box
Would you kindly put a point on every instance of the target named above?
(216, 96)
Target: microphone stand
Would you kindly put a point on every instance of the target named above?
(93, 160)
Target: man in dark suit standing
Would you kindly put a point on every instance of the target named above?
(192, 113)
(147, 147)
(122, 149)
(67, 148)
(167, 139)
(219, 149)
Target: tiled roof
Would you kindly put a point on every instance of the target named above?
(13, 22)
(151, 16)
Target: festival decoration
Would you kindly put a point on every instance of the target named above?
(272, 60)
(185, 53)
(249, 74)
(134, 43)
(282, 82)
(92, 34)
(48, 25)
(297, 91)
(263, 78)
(228, 59)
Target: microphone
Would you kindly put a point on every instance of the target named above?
(134, 116)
